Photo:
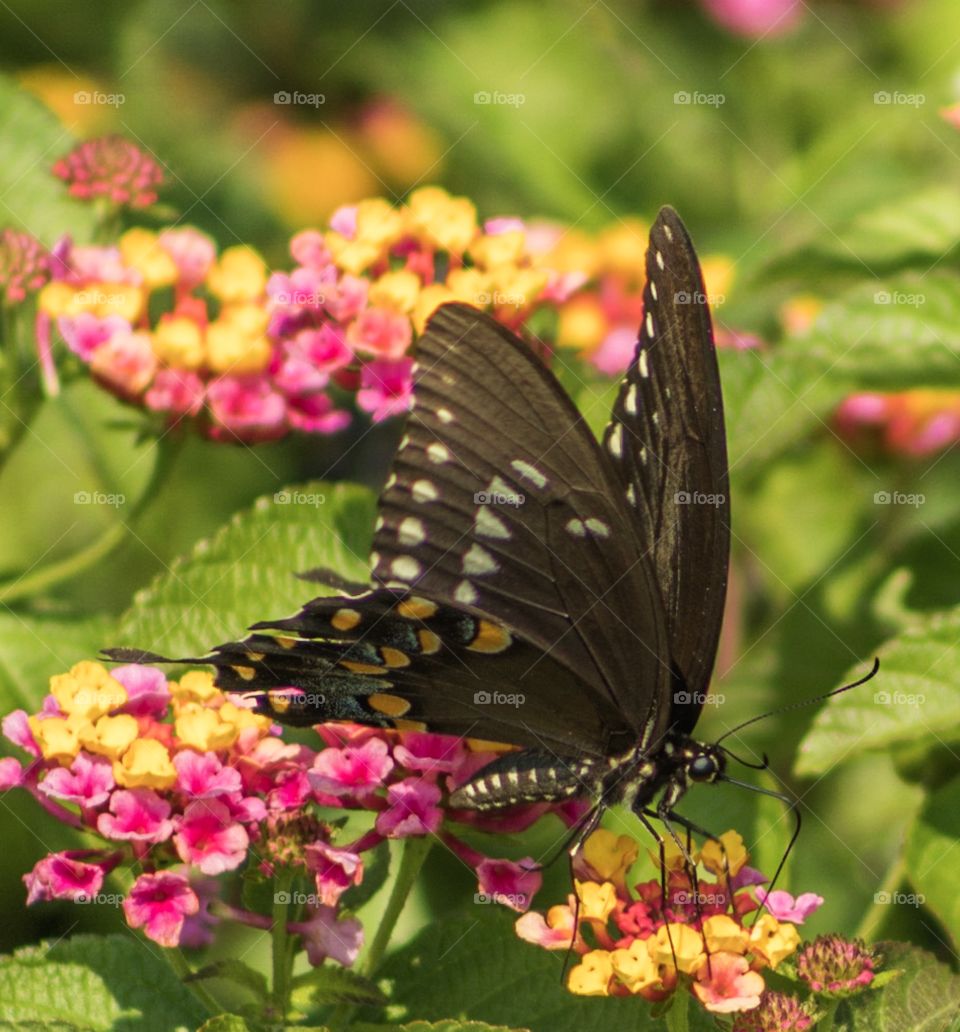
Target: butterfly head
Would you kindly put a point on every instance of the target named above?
(703, 763)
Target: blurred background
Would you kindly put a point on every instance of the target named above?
(772, 128)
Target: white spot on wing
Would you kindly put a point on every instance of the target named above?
(529, 472)
(649, 322)
(406, 567)
(438, 453)
(424, 491)
(411, 531)
(653, 290)
(660, 264)
(499, 486)
(597, 527)
(631, 494)
(478, 561)
(615, 444)
(444, 415)
(465, 593)
(642, 363)
(577, 528)
(391, 480)
(630, 401)
(489, 524)
(668, 232)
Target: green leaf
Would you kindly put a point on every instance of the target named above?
(925, 998)
(376, 869)
(95, 982)
(226, 1023)
(914, 698)
(331, 984)
(450, 1025)
(33, 648)
(930, 856)
(234, 970)
(31, 139)
(477, 969)
(246, 571)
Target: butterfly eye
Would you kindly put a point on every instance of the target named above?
(703, 768)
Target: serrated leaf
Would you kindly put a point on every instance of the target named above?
(246, 572)
(330, 984)
(96, 982)
(913, 698)
(235, 971)
(31, 139)
(478, 969)
(924, 998)
(34, 648)
(930, 855)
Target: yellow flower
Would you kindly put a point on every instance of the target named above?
(634, 967)
(611, 856)
(353, 256)
(230, 350)
(141, 251)
(489, 252)
(242, 718)
(240, 275)
(178, 341)
(430, 299)
(398, 290)
(250, 319)
(56, 738)
(798, 313)
(87, 690)
(449, 223)
(772, 940)
(674, 858)
(517, 288)
(724, 855)
(718, 274)
(471, 286)
(723, 934)
(582, 324)
(680, 941)
(591, 977)
(379, 223)
(597, 901)
(56, 298)
(146, 764)
(103, 299)
(623, 248)
(194, 686)
(573, 251)
(110, 736)
(203, 730)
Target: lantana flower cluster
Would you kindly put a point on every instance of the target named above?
(178, 785)
(647, 942)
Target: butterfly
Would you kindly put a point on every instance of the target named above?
(530, 585)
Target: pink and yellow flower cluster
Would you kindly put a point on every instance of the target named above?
(182, 785)
(647, 943)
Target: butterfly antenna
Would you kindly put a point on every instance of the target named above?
(764, 764)
(806, 702)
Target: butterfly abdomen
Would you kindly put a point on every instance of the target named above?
(530, 776)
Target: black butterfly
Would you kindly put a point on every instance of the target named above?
(532, 586)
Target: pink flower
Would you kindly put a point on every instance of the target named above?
(555, 932)
(427, 752)
(727, 984)
(385, 388)
(755, 17)
(504, 224)
(159, 904)
(192, 252)
(17, 730)
(85, 332)
(412, 809)
(64, 876)
(353, 769)
(512, 883)
(785, 908)
(87, 782)
(309, 358)
(11, 773)
(308, 247)
(24, 265)
(291, 790)
(306, 287)
(381, 332)
(125, 362)
(209, 838)
(348, 299)
(325, 937)
(335, 869)
(177, 391)
(203, 776)
(112, 167)
(616, 351)
(344, 221)
(136, 815)
(246, 408)
(147, 691)
(315, 414)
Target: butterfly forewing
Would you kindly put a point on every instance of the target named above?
(666, 437)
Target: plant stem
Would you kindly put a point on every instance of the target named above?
(825, 1024)
(282, 960)
(678, 1016)
(875, 914)
(179, 964)
(45, 577)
